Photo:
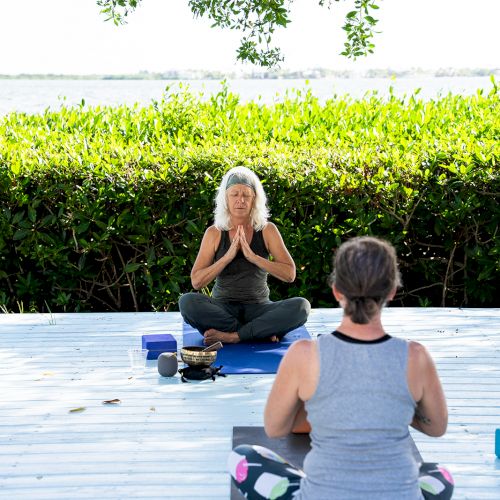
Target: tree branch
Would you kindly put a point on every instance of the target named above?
(258, 20)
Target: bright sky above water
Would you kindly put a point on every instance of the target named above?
(71, 37)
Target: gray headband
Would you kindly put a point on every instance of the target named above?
(238, 179)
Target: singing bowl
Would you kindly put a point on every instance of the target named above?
(192, 355)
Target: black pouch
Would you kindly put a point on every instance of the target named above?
(200, 373)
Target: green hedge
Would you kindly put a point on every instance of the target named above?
(104, 208)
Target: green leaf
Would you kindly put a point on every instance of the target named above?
(20, 234)
(18, 216)
(132, 267)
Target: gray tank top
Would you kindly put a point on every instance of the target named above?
(242, 281)
(360, 413)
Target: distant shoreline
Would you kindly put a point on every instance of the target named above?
(315, 73)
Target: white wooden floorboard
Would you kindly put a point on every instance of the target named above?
(170, 440)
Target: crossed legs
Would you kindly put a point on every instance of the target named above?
(260, 474)
(212, 317)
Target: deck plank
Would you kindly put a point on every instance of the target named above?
(170, 440)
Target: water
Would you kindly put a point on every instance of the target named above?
(34, 96)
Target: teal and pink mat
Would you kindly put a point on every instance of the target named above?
(248, 357)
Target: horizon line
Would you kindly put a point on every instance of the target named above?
(308, 73)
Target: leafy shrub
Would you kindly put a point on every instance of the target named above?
(104, 208)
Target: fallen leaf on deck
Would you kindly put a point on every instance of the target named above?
(152, 408)
(47, 374)
(76, 410)
(111, 402)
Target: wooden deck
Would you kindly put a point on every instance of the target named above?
(170, 440)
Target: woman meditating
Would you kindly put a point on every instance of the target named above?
(356, 390)
(239, 251)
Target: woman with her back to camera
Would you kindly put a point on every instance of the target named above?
(356, 390)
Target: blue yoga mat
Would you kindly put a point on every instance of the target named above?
(246, 357)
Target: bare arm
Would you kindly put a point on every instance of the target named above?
(282, 266)
(431, 414)
(205, 269)
(295, 382)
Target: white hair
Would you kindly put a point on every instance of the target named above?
(260, 212)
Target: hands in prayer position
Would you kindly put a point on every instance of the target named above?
(239, 309)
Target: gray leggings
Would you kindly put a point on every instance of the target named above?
(251, 321)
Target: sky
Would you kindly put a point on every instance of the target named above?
(71, 37)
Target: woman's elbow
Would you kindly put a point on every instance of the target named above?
(196, 283)
(435, 429)
(291, 275)
(274, 432)
(440, 429)
(438, 433)
(273, 428)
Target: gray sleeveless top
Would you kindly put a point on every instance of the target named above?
(359, 415)
(242, 281)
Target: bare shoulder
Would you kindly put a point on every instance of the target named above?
(212, 235)
(272, 234)
(305, 363)
(303, 347)
(420, 366)
(417, 353)
(302, 354)
(208, 247)
(270, 228)
(416, 348)
(212, 231)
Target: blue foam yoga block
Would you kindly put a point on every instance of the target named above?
(157, 343)
(497, 443)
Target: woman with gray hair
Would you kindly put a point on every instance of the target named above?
(236, 251)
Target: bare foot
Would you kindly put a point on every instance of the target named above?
(274, 338)
(214, 335)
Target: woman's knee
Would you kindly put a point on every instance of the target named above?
(302, 307)
(187, 303)
(436, 482)
(237, 460)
